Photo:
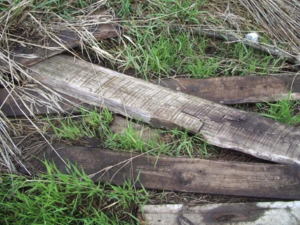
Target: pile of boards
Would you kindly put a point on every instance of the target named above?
(197, 106)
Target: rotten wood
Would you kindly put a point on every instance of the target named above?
(161, 107)
(32, 54)
(269, 49)
(267, 213)
(182, 174)
(236, 90)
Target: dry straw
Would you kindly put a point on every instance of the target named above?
(20, 22)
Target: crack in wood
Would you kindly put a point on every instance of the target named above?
(192, 115)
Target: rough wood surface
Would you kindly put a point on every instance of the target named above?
(267, 213)
(235, 90)
(220, 125)
(30, 55)
(183, 174)
(223, 90)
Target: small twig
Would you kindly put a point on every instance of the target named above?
(273, 50)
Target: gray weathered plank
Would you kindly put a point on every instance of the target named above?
(220, 125)
(223, 90)
(267, 213)
(182, 174)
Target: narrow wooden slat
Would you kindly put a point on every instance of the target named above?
(183, 174)
(236, 90)
(220, 125)
(28, 56)
(267, 213)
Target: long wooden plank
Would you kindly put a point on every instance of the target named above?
(267, 213)
(223, 90)
(236, 90)
(183, 174)
(220, 125)
(33, 53)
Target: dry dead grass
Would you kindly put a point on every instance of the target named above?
(20, 23)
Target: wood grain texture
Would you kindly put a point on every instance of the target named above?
(223, 90)
(236, 90)
(183, 174)
(28, 55)
(161, 107)
(267, 213)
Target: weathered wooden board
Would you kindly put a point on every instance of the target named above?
(220, 125)
(223, 90)
(29, 55)
(235, 90)
(267, 213)
(183, 174)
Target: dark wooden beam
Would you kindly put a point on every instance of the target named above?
(236, 90)
(183, 174)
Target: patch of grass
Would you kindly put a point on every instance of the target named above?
(246, 60)
(156, 50)
(130, 139)
(186, 144)
(73, 198)
(125, 9)
(96, 124)
(63, 8)
(182, 11)
(285, 111)
(92, 123)
(174, 143)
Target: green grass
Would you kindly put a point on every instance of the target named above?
(64, 8)
(91, 124)
(180, 143)
(96, 124)
(73, 198)
(156, 50)
(157, 54)
(285, 111)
